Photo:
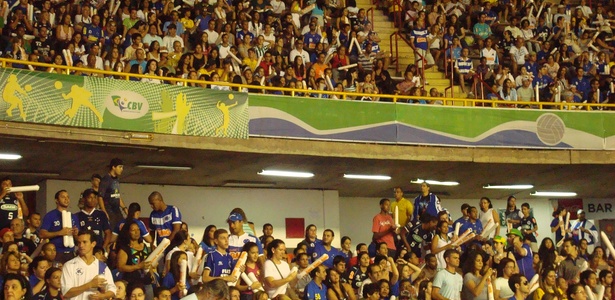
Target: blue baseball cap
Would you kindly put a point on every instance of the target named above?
(234, 217)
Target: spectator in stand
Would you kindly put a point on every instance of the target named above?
(463, 69)
(53, 230)
(383, 227)
(165, 220)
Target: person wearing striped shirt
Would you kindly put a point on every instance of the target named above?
(463, 68)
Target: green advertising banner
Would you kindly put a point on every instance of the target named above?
(94, 102)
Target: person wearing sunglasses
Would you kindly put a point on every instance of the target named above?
(520, 286)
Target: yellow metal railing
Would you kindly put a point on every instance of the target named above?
(341, 95)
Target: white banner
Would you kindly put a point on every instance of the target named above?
(597, 209)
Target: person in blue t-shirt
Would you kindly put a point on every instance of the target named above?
(219, 262)
(522, 252)
(324, 247)
(317, 289)
(165, 220)
(172, 279)
(53, 230)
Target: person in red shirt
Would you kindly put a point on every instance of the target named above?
(383, 227)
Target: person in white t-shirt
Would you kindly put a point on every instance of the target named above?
(277, 271)
(85, 277)
(448, 283)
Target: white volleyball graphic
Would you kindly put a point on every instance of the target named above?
(550, 129)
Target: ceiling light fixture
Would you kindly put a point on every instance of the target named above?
(553, 194)
(508, 186)
(33, 173)
(286, 173)
(368, 177)
(9, 156)
(434, 182)
(252, 184)
(162, 167)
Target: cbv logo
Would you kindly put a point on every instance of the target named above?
(127, 104)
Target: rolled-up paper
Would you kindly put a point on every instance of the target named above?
(352, 44)
(38, 249)
(28, 233)
(600, 289)
(313, 265)
(258, 62)
(117, 6)
(533, 285)
(347, 67)
(590, 293)
(67, 240)
(537, 100)
(30, 12)
(246, 279)
(490, 289)
(607, 243)
(52, 19)
(567, 224)
(487, 231)
(26, 188)
(234, 57)
(253, 278)
(397, 216)
(466, 233)
(157, 253)
(183, 269)
(464, 239)
(197, 259)
(240, 262)
(560, 243)
(457, 227)
(359, 48)
(308, 9)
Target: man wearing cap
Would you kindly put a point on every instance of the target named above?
(171, 38)
(584, 229)
(522, 252)
(93, 219)
(525, 91)
(109, 197)
(239, 237)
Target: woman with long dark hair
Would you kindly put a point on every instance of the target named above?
(172, 279)
(207, 242)
(134, 213)
(475, 278)
(277, 272)
(338, 290)
(131, 256)
(358, 273)
(53, 279)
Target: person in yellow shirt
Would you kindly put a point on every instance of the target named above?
(406, 208)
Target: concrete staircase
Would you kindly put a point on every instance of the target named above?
(384, 27)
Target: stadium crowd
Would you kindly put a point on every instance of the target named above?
(416, 252)
(510, 50)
